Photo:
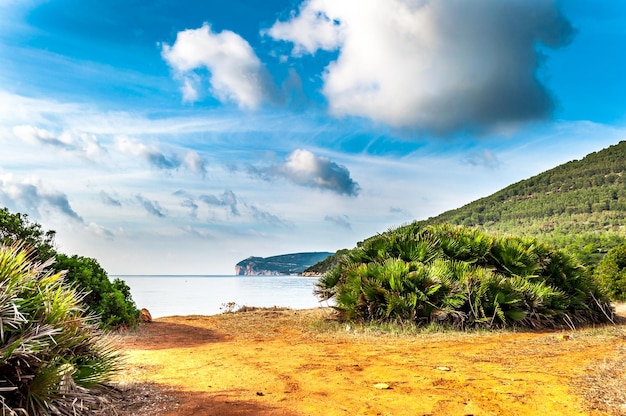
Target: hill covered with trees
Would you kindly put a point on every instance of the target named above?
(294, 263)
(579, 206)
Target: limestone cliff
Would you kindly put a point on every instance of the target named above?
(284, 264)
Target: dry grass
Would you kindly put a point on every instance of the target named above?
(604, 386)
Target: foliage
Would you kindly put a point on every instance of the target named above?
(53, 357)
(111, 302)
(611, 273)
(580, 205)
(17, 227)
(463, 277)
(328, 263)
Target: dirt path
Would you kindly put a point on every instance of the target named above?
(287, 363)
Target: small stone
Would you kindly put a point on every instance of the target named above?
(145, 316)
(443, 368)
(381, 386)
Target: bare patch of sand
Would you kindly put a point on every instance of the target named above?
(273, 362)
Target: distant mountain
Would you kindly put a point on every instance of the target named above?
(284, 264)
(579, 206)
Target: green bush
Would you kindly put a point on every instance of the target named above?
(611, 273)
(54, 359)
(462, 277)
(110, 301)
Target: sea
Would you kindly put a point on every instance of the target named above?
(211, 295)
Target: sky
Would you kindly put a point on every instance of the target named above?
(182, 136)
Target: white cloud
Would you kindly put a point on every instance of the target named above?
(195, 162)
(155, 157)
(237, 74)
(309, 31)
(442, 65)
(32, 196)
(81, 143)
(304, 168)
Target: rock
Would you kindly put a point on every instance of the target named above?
(145, 316)
(382, 386)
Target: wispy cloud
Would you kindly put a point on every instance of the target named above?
(33, 196)
(486, 158)
(78, 142)
(304, 168)
(227, 199)
(158, 159)
(152, 207)
(193, 207)
(443, 66)
(267, 217)
(109, 200)
(339, 220)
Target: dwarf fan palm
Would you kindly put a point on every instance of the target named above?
(51, 355)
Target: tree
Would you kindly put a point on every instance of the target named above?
(17, 227)
(611, 272)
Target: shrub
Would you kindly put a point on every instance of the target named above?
(462, 277)
(110, 301)
(611, 273)
(54, 360)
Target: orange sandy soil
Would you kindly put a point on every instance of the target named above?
(269, 362)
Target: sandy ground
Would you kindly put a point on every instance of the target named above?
(268, 362)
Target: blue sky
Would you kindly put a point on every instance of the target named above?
(179, 137)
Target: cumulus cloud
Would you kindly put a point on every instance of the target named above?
(33, 197)
(236, 73)
(340, 220)
(442, 66)
(307, 169)
(152, 207)
(159, 159)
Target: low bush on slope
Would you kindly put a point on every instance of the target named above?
(463, 277)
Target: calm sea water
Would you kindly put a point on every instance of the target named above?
(205, 295)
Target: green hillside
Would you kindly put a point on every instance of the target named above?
(580, 206)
